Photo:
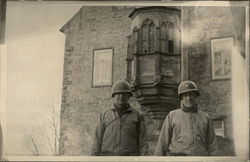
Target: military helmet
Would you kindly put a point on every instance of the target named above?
(121, 86)
(187, 86)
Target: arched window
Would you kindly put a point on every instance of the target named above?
(148, 36)
(135, 40)
(163, 37)
(144, 38)
(151, 37)
(171, 38)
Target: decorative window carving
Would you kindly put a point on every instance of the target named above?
(148, 36)
(151, 37)
(171, 38)
(167, 36)
(144, 38)
(163, 37)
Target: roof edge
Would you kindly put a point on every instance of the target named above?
(141, 9)
(66, 25)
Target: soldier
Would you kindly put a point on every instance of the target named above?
(121, 130)
(187, 131)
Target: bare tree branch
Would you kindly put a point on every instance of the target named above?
(30, 142)
(46, 131)
(34, 145)
(45, 134)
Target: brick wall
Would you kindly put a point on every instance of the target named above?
(91, 28)
(205, 23)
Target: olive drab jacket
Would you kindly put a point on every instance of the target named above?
(187, 133)
(123, 135)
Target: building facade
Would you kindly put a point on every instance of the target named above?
(154, 48)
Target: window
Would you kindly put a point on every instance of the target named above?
(151, 37)
(102, 67)
(148, 36)
(163, 37)
(144, 39)
(219, 127)
(171, 38)
(221, 51)
(167, 36)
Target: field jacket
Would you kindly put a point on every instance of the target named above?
(187, 133)
(123, 135)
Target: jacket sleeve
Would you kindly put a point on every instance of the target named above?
(164, 138)
(97, 139)
(211, 140)
(143, 141)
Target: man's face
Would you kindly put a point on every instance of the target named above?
(121, 99)
(189, 99)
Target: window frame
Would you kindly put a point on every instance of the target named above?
(93, 83)
(221, 119)
(213, 42)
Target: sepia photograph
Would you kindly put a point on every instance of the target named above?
(124, 81)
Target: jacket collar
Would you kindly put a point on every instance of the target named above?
(129, 109)
(193, 109)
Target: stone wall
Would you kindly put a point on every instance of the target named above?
(205, 23)
(91, 28)
(103, 27)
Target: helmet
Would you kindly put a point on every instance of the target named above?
(187, 86)
(121, 86)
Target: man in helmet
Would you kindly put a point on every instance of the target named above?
(121, 130)
(187, 131)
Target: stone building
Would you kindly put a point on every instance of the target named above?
(153, 48)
